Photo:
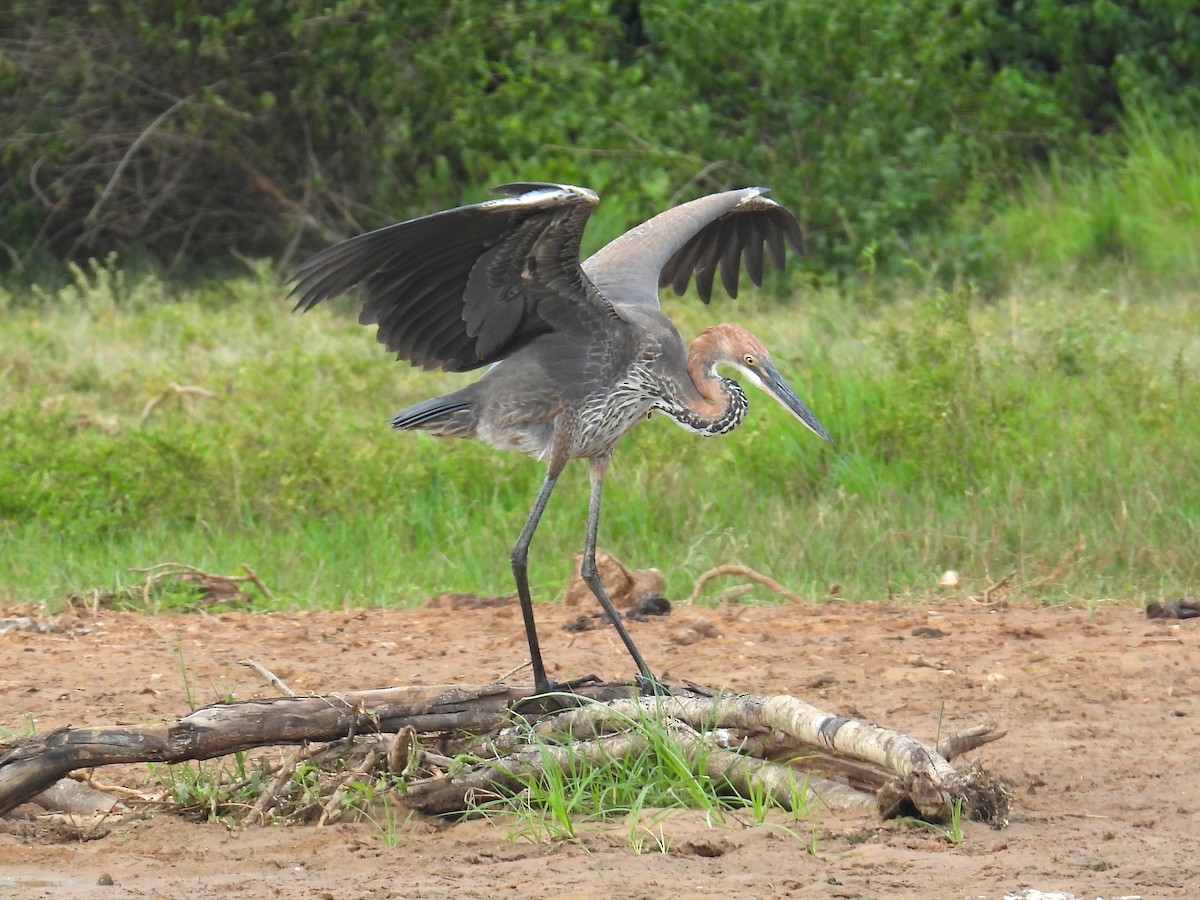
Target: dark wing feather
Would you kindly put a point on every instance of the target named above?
(742, 231)
(753, 249)
(731, 259)
(459, 289)
(692, 241)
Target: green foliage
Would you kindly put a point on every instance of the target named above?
(370, 799)
(951, 832)
(943, 401)
(183, 131)
(638, 786)
(982, 436)
(1138, 215)
(213, 789)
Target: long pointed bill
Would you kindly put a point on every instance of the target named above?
(774, 385)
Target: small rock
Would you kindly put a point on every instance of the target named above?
(928, 631)
(648, 603)
(579, 623)
(1183, 608)
(696, 630)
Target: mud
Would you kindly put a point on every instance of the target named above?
(1100, 707)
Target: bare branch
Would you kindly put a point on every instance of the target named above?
(745, 572)
(92, 216)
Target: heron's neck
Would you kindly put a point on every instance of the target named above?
(718, 405)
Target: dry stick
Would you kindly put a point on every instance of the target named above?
(272, 190)
(90, 600)
(174, 390)
(270, 797)
(268, 676)
(162, 571)
(132, 149)
(732, 595)
(89, 778)
(926, 780)
(252, 576)
(1064, 562)
(986, 596)
(832, 776)
(960, 742)
(330, 811)
(745, 572)
(513, 671)
(400, 750)
(745, 775)
(430, 760)
(30, 765)
(735, 760)
(507, 773)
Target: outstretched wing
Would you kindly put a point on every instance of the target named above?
(462, 288)
(694, 239)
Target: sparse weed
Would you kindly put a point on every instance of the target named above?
(951, 832)
(213, 789)
(639, 786)
(371, 801)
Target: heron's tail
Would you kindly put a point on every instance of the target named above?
(451, 415)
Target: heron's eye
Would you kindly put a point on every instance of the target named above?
(750, 360)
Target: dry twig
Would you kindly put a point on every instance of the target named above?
(174, 390)
(745, 572)
(988, 592)
(209, 581)
(373, 735)
(268, 676)
(1064, 562)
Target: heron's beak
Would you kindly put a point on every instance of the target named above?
(772, 382)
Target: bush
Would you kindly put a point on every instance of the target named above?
(182, 131)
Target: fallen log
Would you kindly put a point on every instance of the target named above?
(747, 742)
(32, 764)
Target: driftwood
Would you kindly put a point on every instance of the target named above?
(779, 745)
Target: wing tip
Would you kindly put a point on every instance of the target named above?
(791, 231)
(517, 190)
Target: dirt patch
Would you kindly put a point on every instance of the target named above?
(1101, 711)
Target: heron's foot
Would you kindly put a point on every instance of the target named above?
(566, 687)
(651, 686)
(552, 695)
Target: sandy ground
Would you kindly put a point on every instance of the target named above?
(1101, 711)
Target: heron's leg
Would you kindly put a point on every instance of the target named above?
(591, 575)
(519, 557)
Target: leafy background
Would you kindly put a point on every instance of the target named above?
(184, 130)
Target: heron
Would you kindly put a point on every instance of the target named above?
(579, 351)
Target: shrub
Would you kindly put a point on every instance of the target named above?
(182, 131)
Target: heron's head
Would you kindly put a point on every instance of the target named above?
(729, 345)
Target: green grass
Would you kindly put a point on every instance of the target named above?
(951, 832)
(1136, 215)
(984, 437)
(639, 785)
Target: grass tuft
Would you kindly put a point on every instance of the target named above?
(1135, 216)
(641, 787)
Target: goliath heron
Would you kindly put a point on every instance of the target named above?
(579, 351)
